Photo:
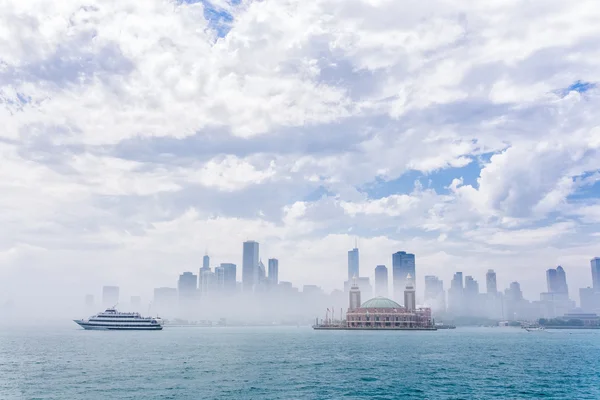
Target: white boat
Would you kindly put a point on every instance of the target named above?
(534, 328)
(111, 319)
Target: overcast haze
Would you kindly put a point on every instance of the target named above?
(136, 135)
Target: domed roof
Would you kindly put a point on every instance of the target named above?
(380, 302)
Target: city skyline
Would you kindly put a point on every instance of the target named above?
(463, 299)
(378, 281)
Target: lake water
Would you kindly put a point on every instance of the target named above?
(298, 363)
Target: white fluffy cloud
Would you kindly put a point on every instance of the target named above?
(138, 134)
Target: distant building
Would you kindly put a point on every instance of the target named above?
(595, 264)
(471, 297)
(514, 302)
(353, 266)
(562, 280)
(381, 281)
(187, 285)
(110, 296)
(273, 271)
(410, 300)
(250, 265)
(285, 286)
(589, 299)
(229, 277)
(262, 273)
(208, 283)
(490, 282)
(551, 281)
(206, 262)
(312, 290)
(165, 301)
(455, 294)
(381, 313)
(220, 278)
(354, 297)
(403, 264)
(434, 293)
(555, 304)
(556, 280)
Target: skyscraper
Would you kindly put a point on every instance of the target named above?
(589, 299)
(208, 282)
(206, 262)
(220, 278)
(165, 301)
(353, 269)
(187, 288)
(455, 294)
(551, 280)
(595, 263)
(250, 265)
(514, 300)
(470, 296)
(273, 272)
(403, 264)
(229, 277)
(561, 276)
(490, 282)
(434, 293)
(187, 285)
(381, 281)
(262, 273)
(556, 280)
(110, 296)
(514, 292)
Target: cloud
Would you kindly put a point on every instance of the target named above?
(136, 135)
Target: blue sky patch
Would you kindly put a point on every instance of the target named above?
(438, 180)
(577, 86)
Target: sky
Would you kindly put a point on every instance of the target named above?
(138, 135)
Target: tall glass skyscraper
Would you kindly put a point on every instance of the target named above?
(353, 270)
(381, 281)
(273, 270)
(456, 295)
(229, 277)
(206, 262)
(403, 263)
(595, 263)
(556, 280)
(250, 265)
(490, 282)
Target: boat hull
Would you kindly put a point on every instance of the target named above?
(106, 327)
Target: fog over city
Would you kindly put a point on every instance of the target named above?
(138, 137)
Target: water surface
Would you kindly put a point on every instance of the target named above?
(298, 363)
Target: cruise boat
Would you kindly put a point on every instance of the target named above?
(111, 319)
